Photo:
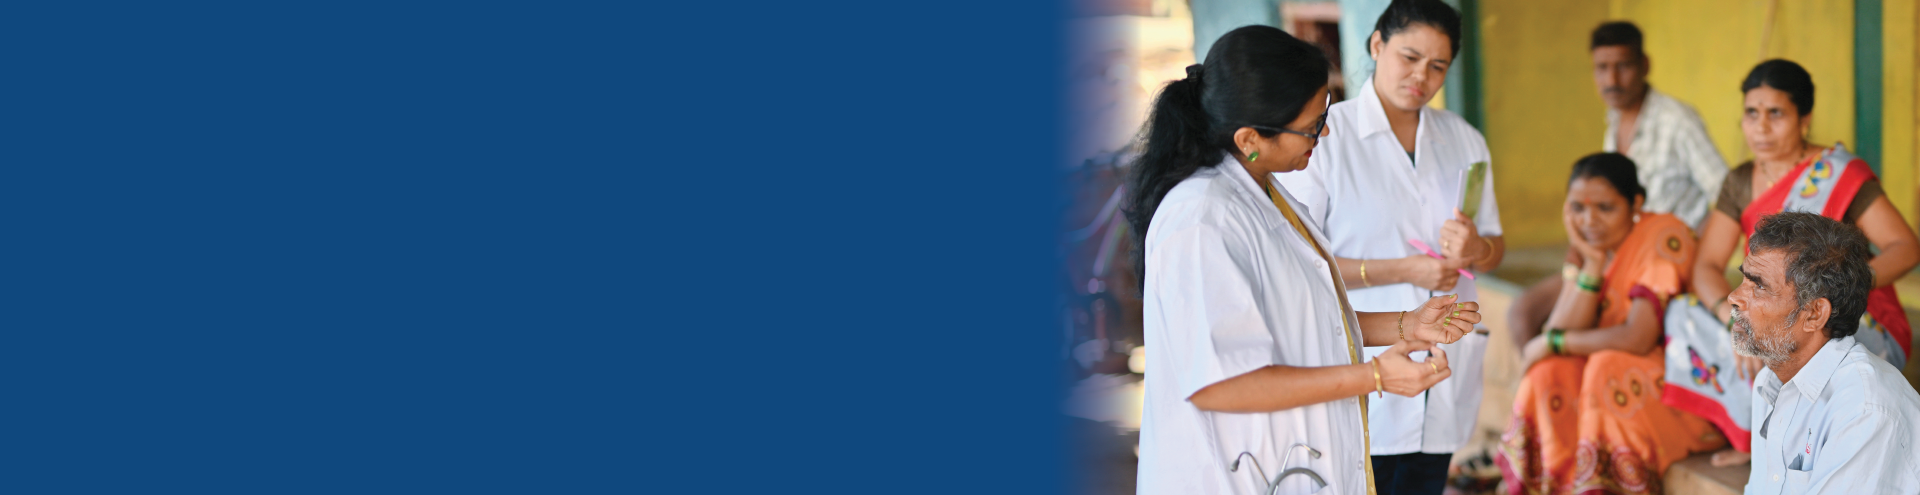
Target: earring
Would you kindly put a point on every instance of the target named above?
(1254, 156)
(1636, 218)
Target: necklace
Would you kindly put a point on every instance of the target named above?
(1775, 177)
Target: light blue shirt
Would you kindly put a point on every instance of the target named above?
(1845, 424)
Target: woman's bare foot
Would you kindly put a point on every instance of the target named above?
(1730, 457)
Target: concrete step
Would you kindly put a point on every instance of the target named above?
(1696, 475)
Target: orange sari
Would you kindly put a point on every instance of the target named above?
(1595, 424)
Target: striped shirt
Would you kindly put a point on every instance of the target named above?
(1678, 165)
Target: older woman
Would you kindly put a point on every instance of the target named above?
(1788, 173)
(1255, 354)
(1588, 415)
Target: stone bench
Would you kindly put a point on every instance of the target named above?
(1696, 475)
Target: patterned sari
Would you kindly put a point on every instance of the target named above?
(1826, 185)
(1595, 424)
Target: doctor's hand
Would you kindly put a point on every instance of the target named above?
(1400, 375)
(1431, 274)
(1442, 319)
(1460, 240)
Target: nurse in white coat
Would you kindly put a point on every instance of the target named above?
(1390, 173)
(1254, 378)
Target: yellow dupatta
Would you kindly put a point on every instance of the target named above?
(1353, 351)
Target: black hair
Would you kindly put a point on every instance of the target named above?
(1618, 33)
(1786, 76)
(1825, 258)
(1402, 14)
(1253, 76)
(1616, 168)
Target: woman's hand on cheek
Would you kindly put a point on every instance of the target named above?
(1587, 251)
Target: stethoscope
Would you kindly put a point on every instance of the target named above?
(1288, 459)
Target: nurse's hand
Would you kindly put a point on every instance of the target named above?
(1431, 274)
(1460, 240)
(1400, 374)
(1443, 320)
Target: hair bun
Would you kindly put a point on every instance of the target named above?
(1195, 72)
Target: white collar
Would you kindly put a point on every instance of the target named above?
(1613, 114)
(1813, 377)
(1242, 178)
(1373, 113)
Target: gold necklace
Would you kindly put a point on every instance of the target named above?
(1776, 178)
(1769, 181)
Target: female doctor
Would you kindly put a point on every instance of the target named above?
(1255, 370)
(1390, 173)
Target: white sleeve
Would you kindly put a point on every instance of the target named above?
(1207, 303)
(1309, 186)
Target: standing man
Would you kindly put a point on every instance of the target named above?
(1666, 140)
(1676, 161)
(1828, 416)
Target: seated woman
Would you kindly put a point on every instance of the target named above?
(1588, 414)
(1788, 173)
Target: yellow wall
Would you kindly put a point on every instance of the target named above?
(1702, 63)
(1543, 111)
(1898, 158)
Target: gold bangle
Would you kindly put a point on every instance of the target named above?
(1489, 248)
(1402, 324)
(1378, 388)
(1363, 274)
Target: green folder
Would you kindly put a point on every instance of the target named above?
(1472, 186)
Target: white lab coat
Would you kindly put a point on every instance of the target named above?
(1370, 201)
(1231, 287)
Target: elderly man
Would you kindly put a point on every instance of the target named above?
(1828, 416)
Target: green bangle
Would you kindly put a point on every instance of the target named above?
(1587, 282)
(1557, 341)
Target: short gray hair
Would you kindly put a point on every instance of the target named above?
(1825, 258)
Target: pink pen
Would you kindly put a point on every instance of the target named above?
(1424, 249)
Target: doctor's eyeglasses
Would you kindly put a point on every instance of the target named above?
(1319, 126)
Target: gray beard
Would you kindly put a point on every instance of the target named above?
(1770, 351)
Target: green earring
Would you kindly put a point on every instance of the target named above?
(1255, 156)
